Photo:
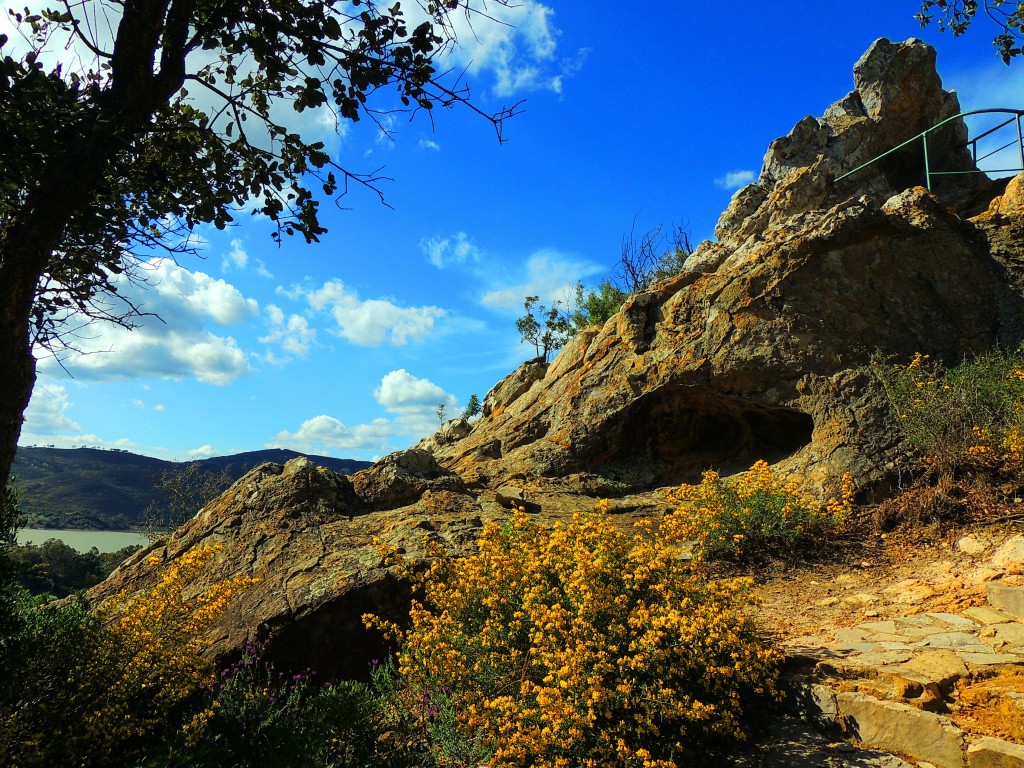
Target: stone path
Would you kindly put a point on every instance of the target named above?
(940, 688)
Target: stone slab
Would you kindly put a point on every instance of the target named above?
(941, 667)
(978, 659)
(885, 627)
(1007, 598)
(987, 615)
(988, 752)
(901, 728)
(964, 640)
(851, 635)
(1011, 634)
(954, 620)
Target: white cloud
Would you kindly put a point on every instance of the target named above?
(548, 273)
(159, 408)
(401, 392)
(84, 440)
(202, 452)
(430, 144)
(372, 322)
(47, 423)
(47, 411)
(292, 333)
(445, 251)
(515, 43)
(236, 258)
(414, 402)
(262, 271)
(177, 289)
(326, 432)
(735, 179)
(172, 339)
(385, 131)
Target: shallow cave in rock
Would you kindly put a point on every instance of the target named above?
(332, 640)
(671, 435)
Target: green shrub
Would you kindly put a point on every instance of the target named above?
(755, 514)
(596, 307)
(953, 416)
(253, 716)
(579, 645)
(101, 689)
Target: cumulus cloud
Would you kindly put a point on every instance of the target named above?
(292, 334)
(173, 339)
(47, 423)
(547, 273)
(430, 144)
(516, 44)
(47, 411)
(262, 271)
(235, 258)
(401, 392)
(372, 322)
(326, 432)
(735, 179)
(202, 452)
(444, 251)
(412, 400)
(385, 131)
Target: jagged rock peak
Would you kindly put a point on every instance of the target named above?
(897, 95)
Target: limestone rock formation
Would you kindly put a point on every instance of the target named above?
(757, 350)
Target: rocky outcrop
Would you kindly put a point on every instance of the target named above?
(764, 356)
(757, 351)
(307, 535)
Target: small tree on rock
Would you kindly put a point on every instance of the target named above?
(472, 407)
(548, 330)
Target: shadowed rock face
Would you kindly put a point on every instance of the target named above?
(757, 350)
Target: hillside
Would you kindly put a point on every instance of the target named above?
(760, 349)
(759, 354)
(88, 488)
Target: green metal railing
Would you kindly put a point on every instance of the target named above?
(1016, 117)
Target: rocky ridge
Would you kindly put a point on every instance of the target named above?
(757, 350)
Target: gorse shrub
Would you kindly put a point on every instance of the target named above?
(754, 514)
(953, 416)
(579, 645)
(125, 676)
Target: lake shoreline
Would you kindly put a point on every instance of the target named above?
(82, 540)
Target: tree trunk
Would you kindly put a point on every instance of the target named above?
(19, 275)
(27, 245)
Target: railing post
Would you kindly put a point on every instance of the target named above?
(927, 171)
(1020, 142)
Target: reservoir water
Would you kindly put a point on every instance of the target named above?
(83, 541)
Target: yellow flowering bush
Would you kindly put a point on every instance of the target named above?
(579, 645)
(135, 668)
(954, 415)
(149, 658)
(757, 513)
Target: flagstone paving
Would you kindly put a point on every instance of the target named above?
(941, 688)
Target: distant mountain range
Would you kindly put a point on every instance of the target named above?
(88, 488)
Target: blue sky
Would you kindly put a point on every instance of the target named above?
(654, 114)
